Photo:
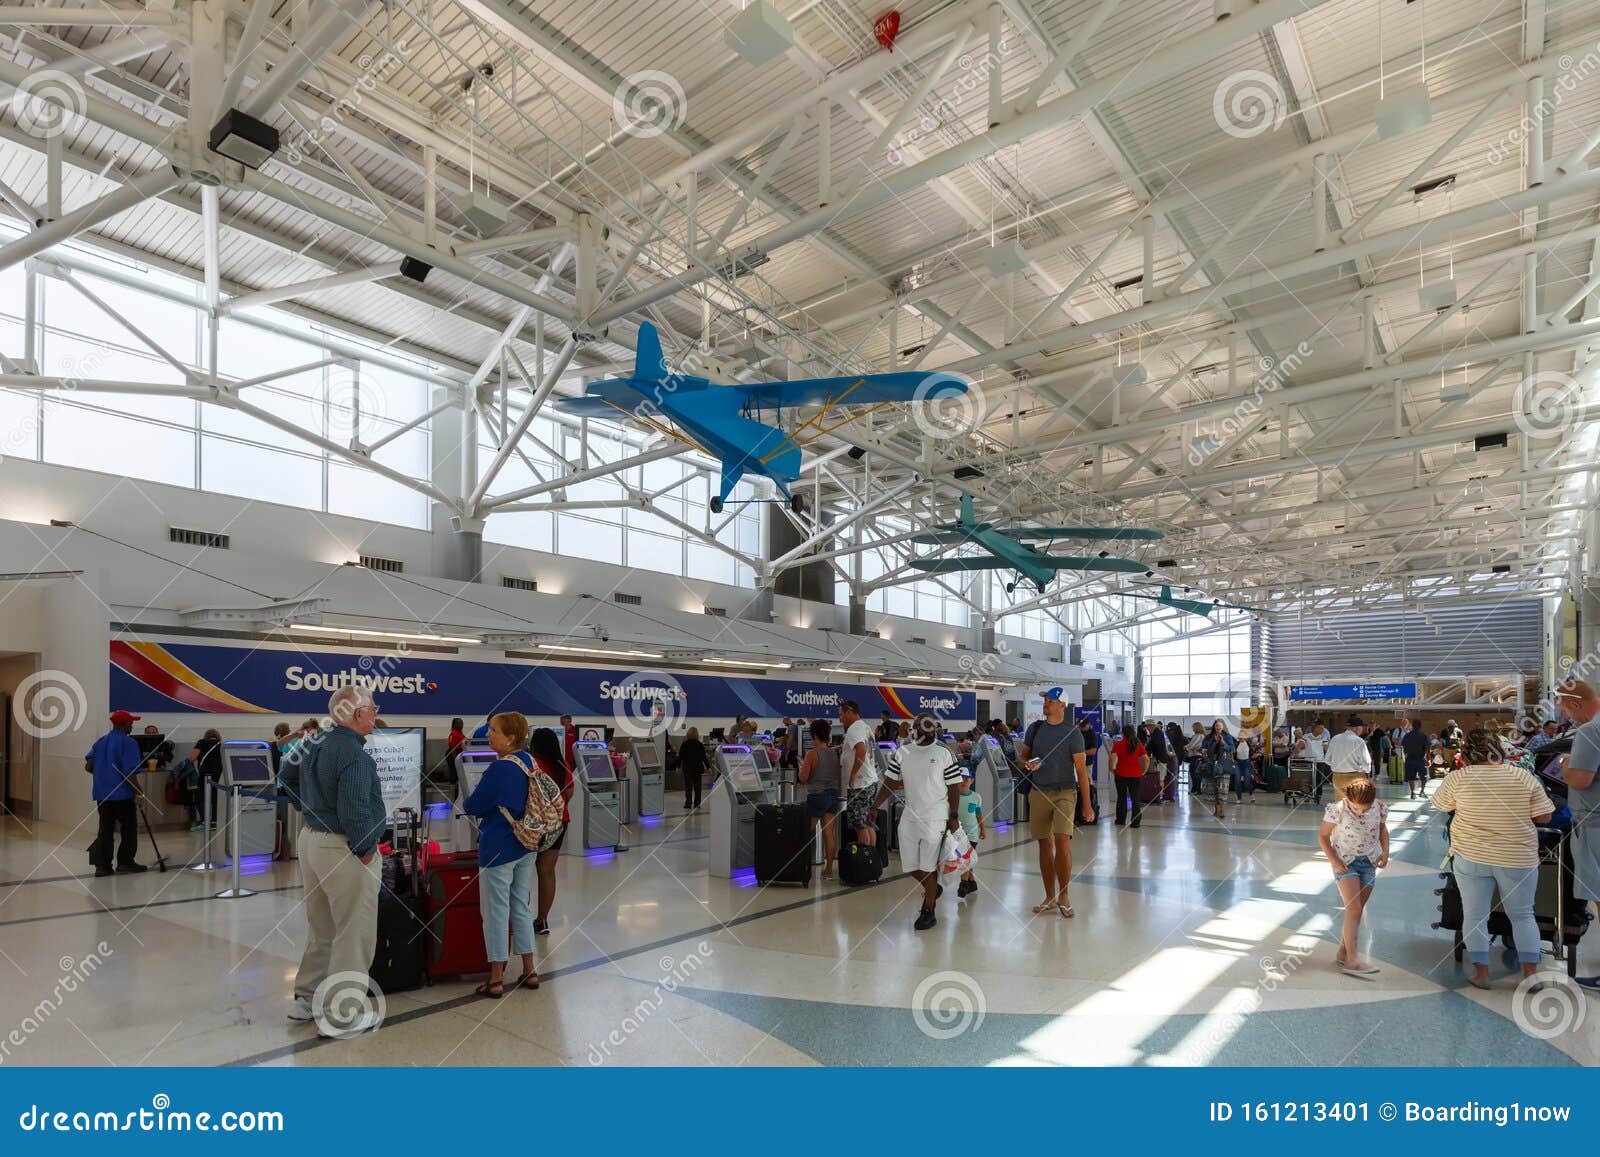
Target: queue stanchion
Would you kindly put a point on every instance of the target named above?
(208, 793)
(234, 892)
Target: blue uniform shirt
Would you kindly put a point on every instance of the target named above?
(116, 758)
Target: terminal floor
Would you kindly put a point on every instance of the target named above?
(1194, 942)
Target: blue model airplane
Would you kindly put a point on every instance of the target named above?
(1011, 549)
(717, 420)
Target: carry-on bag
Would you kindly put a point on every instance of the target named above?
(783, 843)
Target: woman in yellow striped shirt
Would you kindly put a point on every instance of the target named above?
(1494, 847)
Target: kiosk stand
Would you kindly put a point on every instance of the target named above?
(744, 781)
(992, 778)
(647, 777)
(246, 768)
(599, 796)
(470, 766)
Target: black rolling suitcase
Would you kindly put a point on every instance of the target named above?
(783, 844)
(400, 959)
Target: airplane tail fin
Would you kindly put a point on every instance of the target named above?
(649, 363)
(968, 518)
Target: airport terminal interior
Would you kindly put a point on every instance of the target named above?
(1013, 532)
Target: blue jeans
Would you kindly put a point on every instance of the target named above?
(1478, 883)
(503, 893)
(1361, 868)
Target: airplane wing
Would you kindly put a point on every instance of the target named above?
(610, 398)
(1096, 533)
(1049, 561)
(854, 390)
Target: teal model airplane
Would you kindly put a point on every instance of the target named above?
(718, 420)
(1012, 549)
(1190, 606)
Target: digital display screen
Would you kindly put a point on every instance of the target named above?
(759, 755)
(647, 755)
(595, 760)
(741, 767)
(398, 753)
(252, 767)
(148, 744)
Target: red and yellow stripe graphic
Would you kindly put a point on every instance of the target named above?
(896, 706)
(157, 668)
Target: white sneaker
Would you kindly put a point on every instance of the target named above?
(300, 1009)
(363, 1023)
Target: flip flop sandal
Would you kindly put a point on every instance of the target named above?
(1041, 908)
(1066, 911)
(527, 980)
(487, 990)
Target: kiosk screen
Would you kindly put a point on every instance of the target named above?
(253, 766)
(596, 761)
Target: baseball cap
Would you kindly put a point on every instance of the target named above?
(967, 774)
(1053, 693)
(121, 717)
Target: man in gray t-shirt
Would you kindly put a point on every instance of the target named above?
(1052, 752)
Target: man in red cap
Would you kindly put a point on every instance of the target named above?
(113, 761)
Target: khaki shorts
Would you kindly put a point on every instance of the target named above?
(1051, 811)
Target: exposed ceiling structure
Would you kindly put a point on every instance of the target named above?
(1310, 288)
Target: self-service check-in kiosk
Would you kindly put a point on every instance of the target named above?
(470, 766)
(992, 778)
(599, 795)
(744, 780)
(247, 774)
(647, 777)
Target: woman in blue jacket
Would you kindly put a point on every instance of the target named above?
(1219, 747)
(505, 867)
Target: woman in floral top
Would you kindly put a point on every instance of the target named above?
(1355, 838)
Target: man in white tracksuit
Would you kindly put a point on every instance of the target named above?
(932, 781)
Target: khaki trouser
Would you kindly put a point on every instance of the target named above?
(341, 899)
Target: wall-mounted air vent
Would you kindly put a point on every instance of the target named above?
(717, 612)
(1027, 654)
(518, 584)
(374, 562)
(197, 538)
(626, 600)
(914, 639)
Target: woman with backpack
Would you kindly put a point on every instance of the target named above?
(505, 864)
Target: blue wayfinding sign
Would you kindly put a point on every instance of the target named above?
(1353, 691)
(192, 677)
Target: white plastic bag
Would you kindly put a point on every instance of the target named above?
(960, 854)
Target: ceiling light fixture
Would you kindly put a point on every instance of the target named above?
(759, 664)
(416, 636)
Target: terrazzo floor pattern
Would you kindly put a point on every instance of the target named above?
(1194, 942)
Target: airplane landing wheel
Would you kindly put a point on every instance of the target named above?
(797, 503)
(1010, 587)
(716, 506)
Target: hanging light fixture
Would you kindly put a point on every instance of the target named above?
(1409, 108)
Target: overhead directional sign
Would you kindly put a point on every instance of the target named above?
(1353, 691)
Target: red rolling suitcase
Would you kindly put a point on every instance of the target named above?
(455, 922)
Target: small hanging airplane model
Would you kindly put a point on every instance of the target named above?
(1190, 606)
(1012, 549)
(718, 420)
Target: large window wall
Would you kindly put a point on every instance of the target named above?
(1206, 675)
(182, 442)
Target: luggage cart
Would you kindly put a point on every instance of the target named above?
(1300, 784)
